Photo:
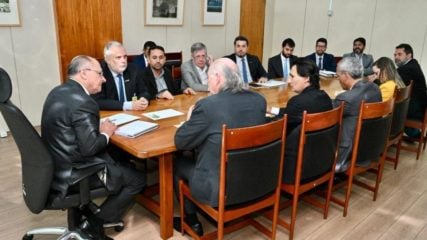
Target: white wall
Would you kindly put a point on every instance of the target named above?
(29, 54)
(218, 39)
(384, 24)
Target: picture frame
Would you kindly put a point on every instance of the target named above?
(164, 12)
(214, 12)
(9, 13)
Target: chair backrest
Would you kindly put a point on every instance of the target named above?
(251, 161)
(372, 131)
(318, 144)
(400, 111)
(37, 164)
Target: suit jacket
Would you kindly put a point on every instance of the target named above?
(275, 65)
(108, 98)
(367, 60)
(311, 100)
(412, 71)
(203, 134)
(140, 62)
(70, 130)
(150, 82)
(191, 77)
(361, 91)
(328, 60)
(255, 67)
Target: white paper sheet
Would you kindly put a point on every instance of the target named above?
(120, 118)
(167, 113)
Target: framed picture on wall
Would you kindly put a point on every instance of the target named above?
(9, 13)
(164, 12)
(213, 12)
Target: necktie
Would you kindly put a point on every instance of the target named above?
(244, 71)
(121, 90)
(320, 63)
(285, 69)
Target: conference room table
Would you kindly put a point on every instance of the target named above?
(159, 143)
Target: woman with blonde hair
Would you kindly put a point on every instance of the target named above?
(385, 74)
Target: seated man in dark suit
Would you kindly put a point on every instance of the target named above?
(158, 79)
(279, 66)
(76, 140)
(324, 61)
(304, 80)
(409, 69)
(123, 88)
(350, 73)
(249, 65)
(229, 104)
(142, 60)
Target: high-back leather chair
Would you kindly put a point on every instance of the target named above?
(317, 153)
(401, 105)
(250, 175)
(38, 171)
(369, 149)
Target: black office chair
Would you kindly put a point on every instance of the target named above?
(38, 170)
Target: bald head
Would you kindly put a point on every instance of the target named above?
(224, 75)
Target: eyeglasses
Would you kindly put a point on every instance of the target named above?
(97, 72)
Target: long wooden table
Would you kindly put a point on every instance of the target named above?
(160, 143)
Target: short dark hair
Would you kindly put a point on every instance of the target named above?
(241, 38)
(360, 39)
(307, 68)
(323, 40)
(156, 47)
(148, 44)
(406, 48)
(289, 42)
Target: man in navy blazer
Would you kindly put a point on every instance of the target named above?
(323, 60)
(123, 88)
(285, 59)
(142, 60)
(249, 65)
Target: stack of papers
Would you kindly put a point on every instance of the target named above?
(167, 113)
(325, 73)
(269, 83)
(120, 118)
(136, 128)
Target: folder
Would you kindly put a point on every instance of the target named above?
(136, 128)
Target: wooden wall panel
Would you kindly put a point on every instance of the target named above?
(84, 26)
(252, 14)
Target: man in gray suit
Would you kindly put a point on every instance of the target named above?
(195, 70)
(365, 59)
(229, 104)
(349, 72)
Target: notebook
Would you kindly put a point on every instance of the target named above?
(120, 118)
(136, 128)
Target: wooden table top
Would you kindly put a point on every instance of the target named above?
(161, 140)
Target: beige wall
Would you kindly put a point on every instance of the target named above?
(384, 24)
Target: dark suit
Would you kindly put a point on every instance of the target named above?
(150, 82)
(275, 65)
(70, 130)
(361, 91)
(140, 62)
(412, 71)
(367, 60)
(108, 98)
(311, 100)
(202, 133)
(328, 61)
(255, 67)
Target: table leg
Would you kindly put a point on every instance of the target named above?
(166, 195)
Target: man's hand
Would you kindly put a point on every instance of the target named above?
(262, 80)
(189, 91)
(140, 104)
(166, 94)
(107, 127)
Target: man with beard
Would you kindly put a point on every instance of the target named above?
(279, 66)
(323, 60)
(123, 82)
(409, 69)
(365, 59)
(159, 79)
(249, 65)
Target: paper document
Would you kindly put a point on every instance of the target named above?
(136, 128)
(120, 118)
(325, 73)
(167, 113)
(269, 83)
